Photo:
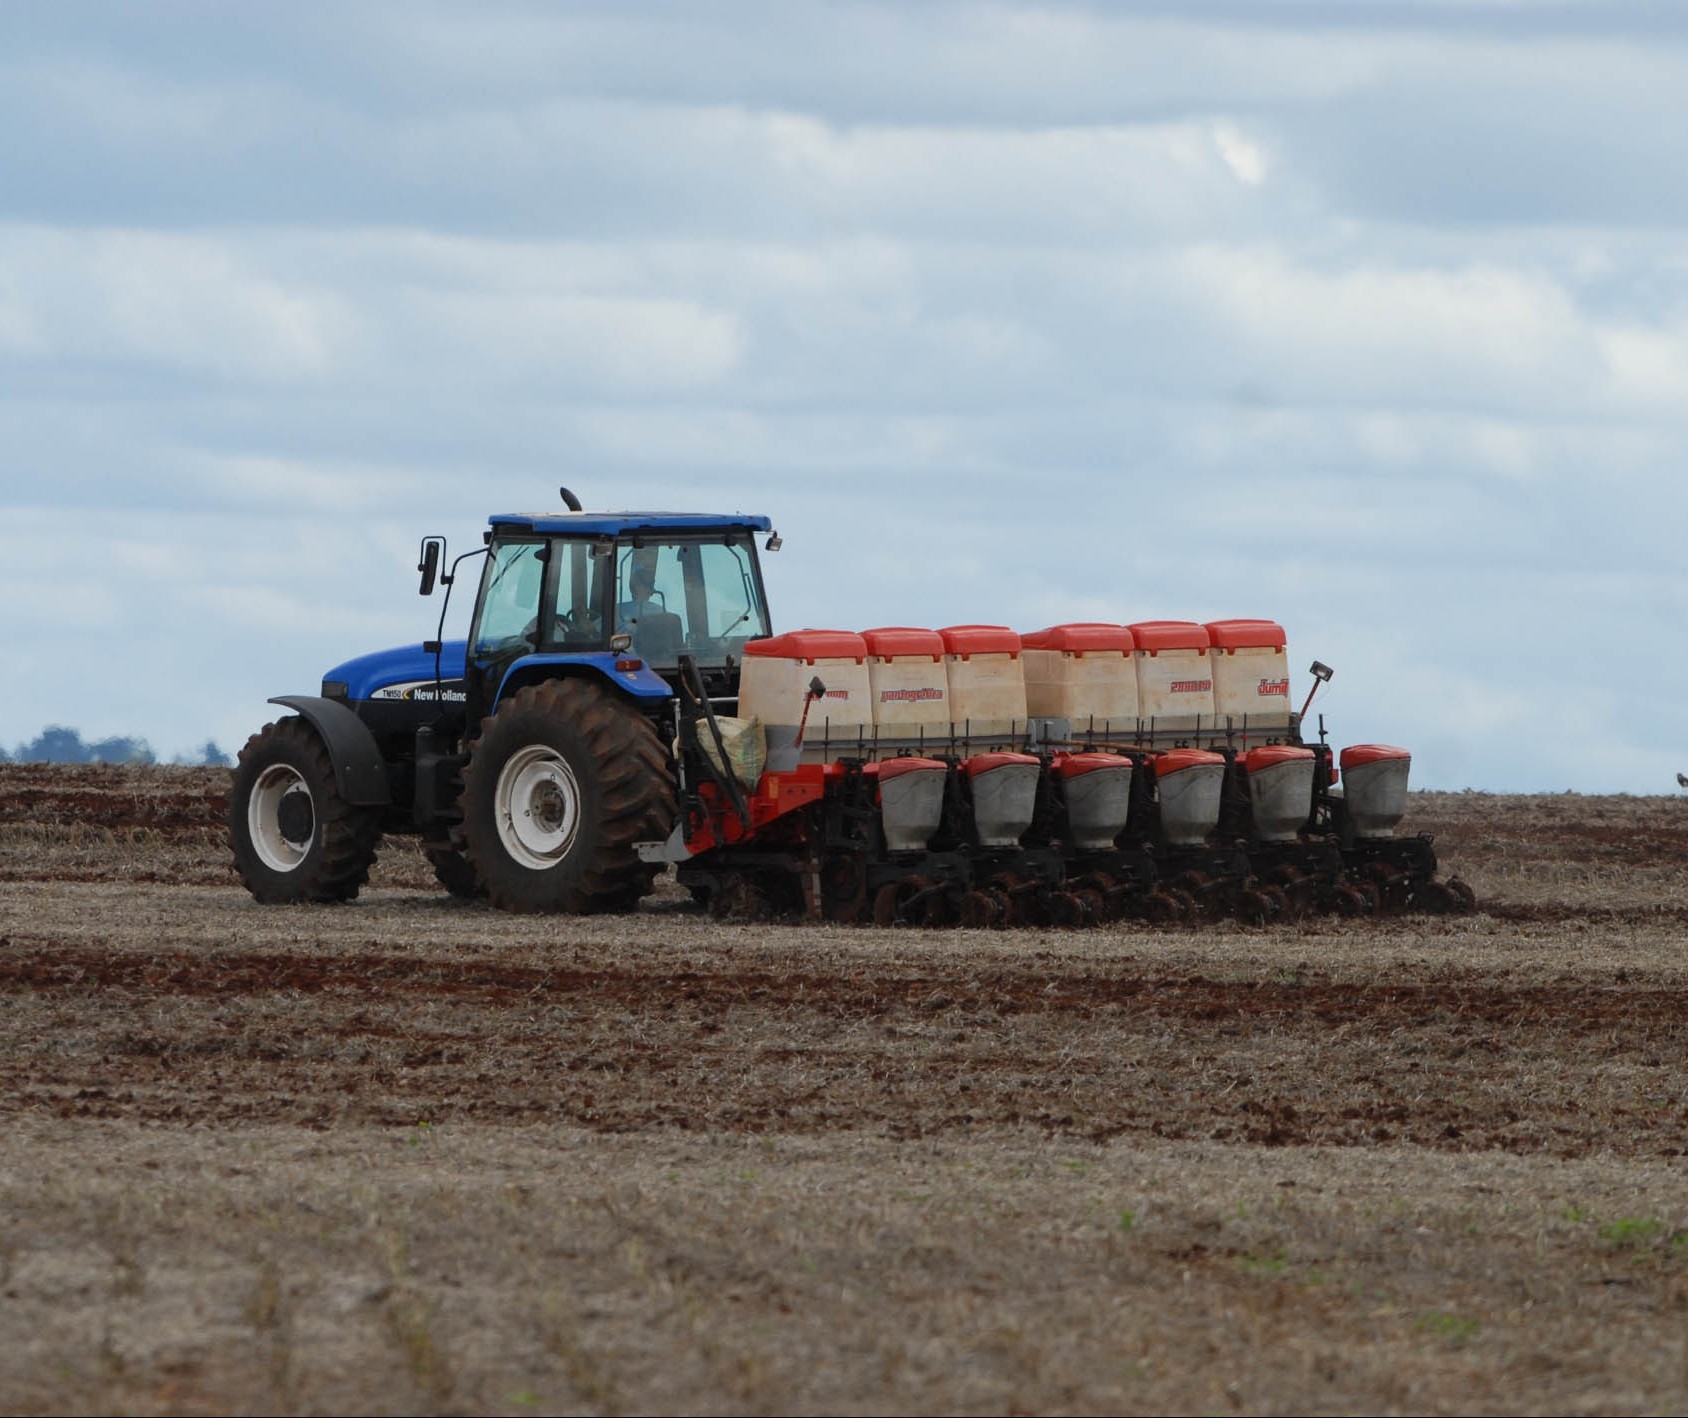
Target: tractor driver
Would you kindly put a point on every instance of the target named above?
(641, 587)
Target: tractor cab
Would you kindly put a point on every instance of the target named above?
(625, 595)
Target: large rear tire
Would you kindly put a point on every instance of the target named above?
(561, 783)
(294, 838)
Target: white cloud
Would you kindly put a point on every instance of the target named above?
(183, 302)
(118, 105)
(1243, 155)
(71, 609)
(589, 342)
(1510, 450)
(1064, 184)
(302, 487)
(896, 63)
(133, 559)
(1646, 368)
(1383, 333)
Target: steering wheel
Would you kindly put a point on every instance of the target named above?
(577, 624)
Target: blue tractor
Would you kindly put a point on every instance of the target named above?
(530, 758)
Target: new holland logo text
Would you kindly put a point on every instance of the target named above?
(1191, 686)
(423, 690)
(908, 696)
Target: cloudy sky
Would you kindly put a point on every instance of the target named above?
(1370, 317)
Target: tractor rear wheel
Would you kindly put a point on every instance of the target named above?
(295, 839)
(562, 781)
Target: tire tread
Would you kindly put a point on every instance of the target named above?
(351, 836)
(634, 790)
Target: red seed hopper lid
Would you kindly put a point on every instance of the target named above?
(1169, 635)
(990, 762)
(1080, 636)
(892, 640)
(896, 767)
(1074, 765)
(810, 645)
(1257, 759)
(1178, 760)
(1360, 754)
(967, 640)
(1246, 634)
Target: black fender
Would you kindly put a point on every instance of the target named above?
(360, 772)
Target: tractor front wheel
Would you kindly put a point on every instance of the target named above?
(295, 839)
(562, 781)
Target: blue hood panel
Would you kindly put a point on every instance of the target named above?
(398, 673)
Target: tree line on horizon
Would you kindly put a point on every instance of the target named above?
(58, 744)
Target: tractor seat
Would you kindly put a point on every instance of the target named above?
(659, 637)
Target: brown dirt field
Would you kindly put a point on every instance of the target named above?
(413, 1155)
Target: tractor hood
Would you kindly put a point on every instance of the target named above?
(406, 672)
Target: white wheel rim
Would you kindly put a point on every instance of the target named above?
(266, 810)
(538, 806)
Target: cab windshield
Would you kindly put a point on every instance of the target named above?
(686, 596)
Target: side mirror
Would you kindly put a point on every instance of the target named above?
(774, 542)
(433, 548)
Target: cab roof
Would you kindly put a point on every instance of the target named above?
(615, 524)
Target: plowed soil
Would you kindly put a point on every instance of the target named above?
(410, 1154)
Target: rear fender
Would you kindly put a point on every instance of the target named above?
(644, 685)
(360, 772)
